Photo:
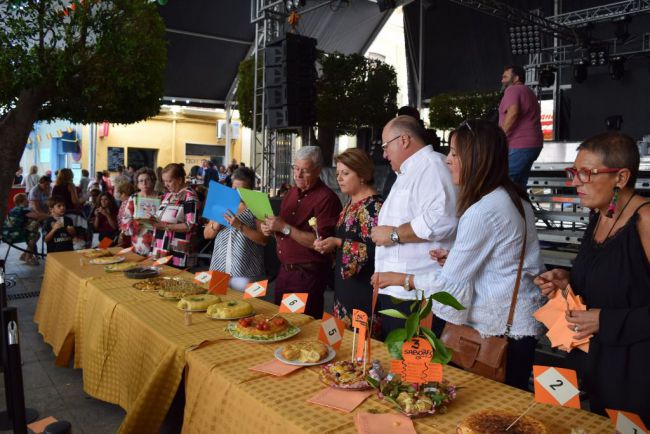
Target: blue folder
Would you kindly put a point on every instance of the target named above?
(220, 198)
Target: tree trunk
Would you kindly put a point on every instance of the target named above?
(15, 127)
(326, 140)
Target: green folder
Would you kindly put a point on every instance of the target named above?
(257, 202)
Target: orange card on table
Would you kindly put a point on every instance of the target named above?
(275, 367)
(360, 323)
(294, 302)
(163, 260)
(556, 386)
(626, 422)
(384, 423)
(216, 280)
(256, 289)
(331, 331)
(344, 400)
(125, 251)
(39, 426)
(105, 243)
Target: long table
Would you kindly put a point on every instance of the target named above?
(133, 348)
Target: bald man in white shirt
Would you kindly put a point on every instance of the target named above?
(419, 214)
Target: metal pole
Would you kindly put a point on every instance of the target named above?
(557, 6)
(14, 370)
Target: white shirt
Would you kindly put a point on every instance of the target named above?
(424, 196)
(482, 267)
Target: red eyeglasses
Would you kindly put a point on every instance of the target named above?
(584, 175)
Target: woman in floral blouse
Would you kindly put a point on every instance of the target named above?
(355, 251)
(137, 228)
(175, 220)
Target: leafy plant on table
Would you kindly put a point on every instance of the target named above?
(397, 337)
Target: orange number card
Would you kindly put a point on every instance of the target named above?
(105, 243)
(626, 422)
(294, 302)
(556, 386)
(163, 260)
(331, 331)
(256, 289)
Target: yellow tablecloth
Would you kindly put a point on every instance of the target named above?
(134, 347)
(66, 275)
(224, 396)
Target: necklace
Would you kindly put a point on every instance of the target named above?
(615, 221)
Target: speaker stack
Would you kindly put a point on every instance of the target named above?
(290, 82)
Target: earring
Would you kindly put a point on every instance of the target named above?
(612, 205)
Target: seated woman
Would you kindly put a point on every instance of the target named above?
(612, 275)
(21, 226)
(496, 219)
(141, 231)
(355, 251)
(175, 219)
(239, 249)
(104, 218)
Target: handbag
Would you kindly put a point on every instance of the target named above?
(474, 353)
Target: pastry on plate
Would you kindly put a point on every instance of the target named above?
(96, 253)
(305, 351)
(175, 288)
(261, 326)
(124, 266)
(344, 374)
(198, 302)
(105, 260)
(230, 309)
(493, 421)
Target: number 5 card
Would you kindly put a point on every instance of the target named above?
(556, 386)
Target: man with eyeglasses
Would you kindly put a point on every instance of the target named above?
(520, 119)
(418, 216)
(303, 269)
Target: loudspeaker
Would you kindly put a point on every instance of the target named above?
(289, 80)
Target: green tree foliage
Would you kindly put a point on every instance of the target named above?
(244, 92)
(448, 110)
(80, 60)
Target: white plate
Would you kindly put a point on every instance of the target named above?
(331, 353)
(107, 260)
(231, 318)
(291, 332)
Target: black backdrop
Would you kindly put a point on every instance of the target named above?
(466, 50)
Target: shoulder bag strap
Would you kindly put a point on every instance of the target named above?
(513, 302)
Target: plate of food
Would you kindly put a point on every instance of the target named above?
(122, 266)
(305, 353)
(141, 272)
(344, 374)
(149, 285)
(95, 253)
(230, 310)
(175, 288)
(197, 303)
(107, 260)
(262, 328)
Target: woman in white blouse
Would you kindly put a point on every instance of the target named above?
(481, 267)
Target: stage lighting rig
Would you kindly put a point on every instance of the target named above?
(525, 39)
(547, 76)
(598, 56)
(622, 31)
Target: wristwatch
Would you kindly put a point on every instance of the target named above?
(286, 230)
(407, 286)
(394, 236)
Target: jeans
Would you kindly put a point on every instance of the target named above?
(519, 163)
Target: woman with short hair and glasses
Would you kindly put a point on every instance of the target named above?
(612, 275)
(480, 270)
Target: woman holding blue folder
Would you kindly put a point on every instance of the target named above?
(239, 249)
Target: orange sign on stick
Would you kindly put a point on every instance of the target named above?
(163, 260)
(417, 366)
(256, 289)
(556, 386)
(216, 280)
(626, 422)
(360, 323)
(331, 331)
(125, 251)
(294, 302)
(105, 243)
